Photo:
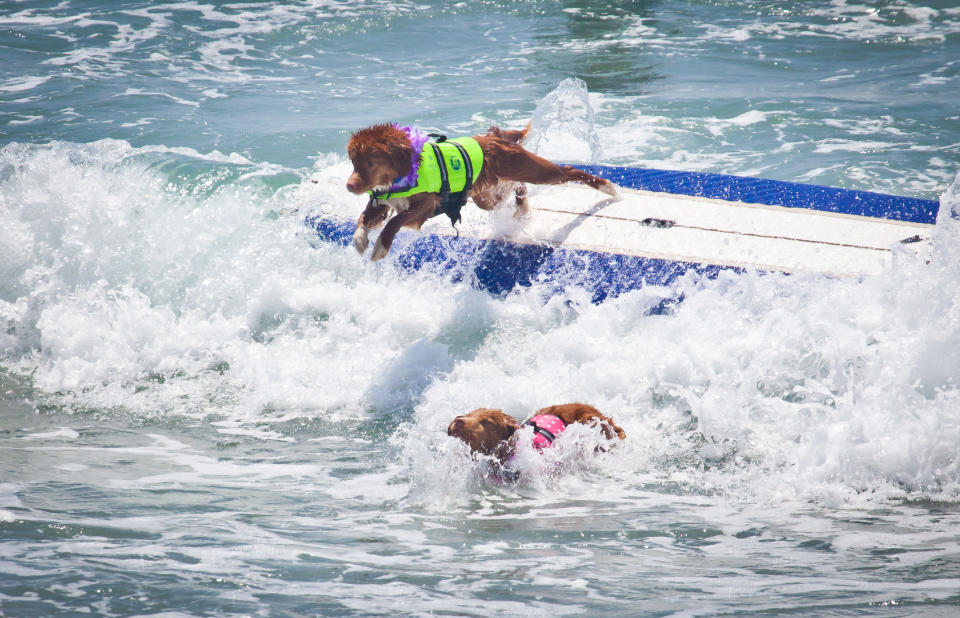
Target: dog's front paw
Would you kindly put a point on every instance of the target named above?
(360, 240)
(379, 252)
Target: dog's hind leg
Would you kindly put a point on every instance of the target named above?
(523, 207)
(553, 174)
(488, 197)
(513, 162)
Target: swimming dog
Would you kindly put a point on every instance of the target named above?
(493, 433)
(413, 178)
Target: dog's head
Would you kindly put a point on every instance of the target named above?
(379, 154)
(486, 431)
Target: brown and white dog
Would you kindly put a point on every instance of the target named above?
(494, 433)
(383, 153)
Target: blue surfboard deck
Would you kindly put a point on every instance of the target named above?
(499, 266)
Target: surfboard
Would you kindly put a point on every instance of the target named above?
(665, 224)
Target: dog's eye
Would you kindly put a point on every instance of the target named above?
(370, 163)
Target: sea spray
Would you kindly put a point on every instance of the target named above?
(563, 127)
(799, 387)
(205, 409)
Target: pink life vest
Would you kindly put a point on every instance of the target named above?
(546, 428)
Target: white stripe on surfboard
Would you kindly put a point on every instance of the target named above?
(673, 224)
(705, 231)
(733, 217)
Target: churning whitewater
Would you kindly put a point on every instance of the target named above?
(208, 410)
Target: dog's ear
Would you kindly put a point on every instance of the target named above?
(356, 145)
(400, 153)
(611, 429)
(497, 423)
(505, 447)
(512, 424)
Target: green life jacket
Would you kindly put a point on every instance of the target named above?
(446, 176)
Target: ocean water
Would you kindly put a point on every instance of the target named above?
(205, 411)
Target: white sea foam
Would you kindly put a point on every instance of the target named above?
(23, 83)
(25, 120)
(132, 286)
(866, 126)
(563, 127)
(64, 433)
(29, 17)
(219, 50)
(844, 145)
(899, 22)
(717, 126)
(140, 92)
(209, 407)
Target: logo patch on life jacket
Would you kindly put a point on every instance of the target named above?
(456, 163)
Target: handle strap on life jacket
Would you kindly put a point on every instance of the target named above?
(546, 433)
(451, 203)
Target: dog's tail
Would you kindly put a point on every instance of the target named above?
(514, 136)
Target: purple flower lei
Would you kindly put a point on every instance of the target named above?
(417, 140)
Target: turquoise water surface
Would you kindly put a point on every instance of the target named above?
(204, 411)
